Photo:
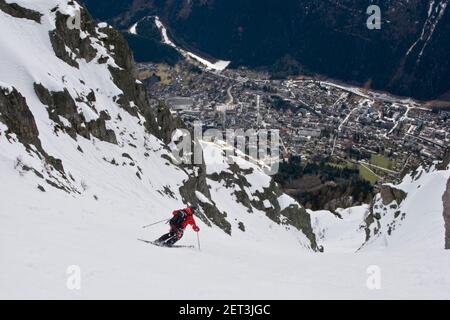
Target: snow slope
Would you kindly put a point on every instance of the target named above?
(112, 190)
(407, 217)
(417, 221)
(343, 232)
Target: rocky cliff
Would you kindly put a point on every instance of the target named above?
(446, 201)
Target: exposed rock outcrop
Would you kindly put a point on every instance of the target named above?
(69, 46)
(197, 183)
(390, 194)
(14, 112)
(293, 215)
(167, 124)
(446, 201)
(61, 104)
(16, 115)
(13, 9)
(63, 38)
(134, 98)
(445, 162)
(387, 202)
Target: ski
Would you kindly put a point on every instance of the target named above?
(164, 246)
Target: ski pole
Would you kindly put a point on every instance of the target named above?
(198, 240)
(152, 224)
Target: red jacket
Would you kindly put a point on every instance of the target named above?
(189, 219)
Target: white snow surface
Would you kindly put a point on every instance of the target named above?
(423, 224)
(202, 198)
(342, 232)
(285, 201)
(42, 234)
(133, 29)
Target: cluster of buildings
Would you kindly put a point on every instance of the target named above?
(317, 120)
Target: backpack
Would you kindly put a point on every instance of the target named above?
(178, 219)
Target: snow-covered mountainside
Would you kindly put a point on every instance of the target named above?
(412, 213)
(409, 216)
(75, 120)
(85, 162)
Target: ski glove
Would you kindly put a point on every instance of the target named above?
(196, 229)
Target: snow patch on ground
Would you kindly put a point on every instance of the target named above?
(202, 198)
(133, 29)
(285, 201)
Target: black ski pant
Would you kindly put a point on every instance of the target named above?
(172, 237)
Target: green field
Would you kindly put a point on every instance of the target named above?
(381, 161)
(367, 175)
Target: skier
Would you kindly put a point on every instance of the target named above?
(181, 218)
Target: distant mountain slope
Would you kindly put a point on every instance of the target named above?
(408, 56)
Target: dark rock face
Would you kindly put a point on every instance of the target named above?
(293, 215)
(196, 174)
(198, 183)
(390, 194)
(167, 123)
(13, 9)
(62, 36)
(125, 79)
(296, 215)
(19, 119)
(445, 162)
(446, 201)
(61, 104)
(98, 128)
(16, 115)
(14, 112)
